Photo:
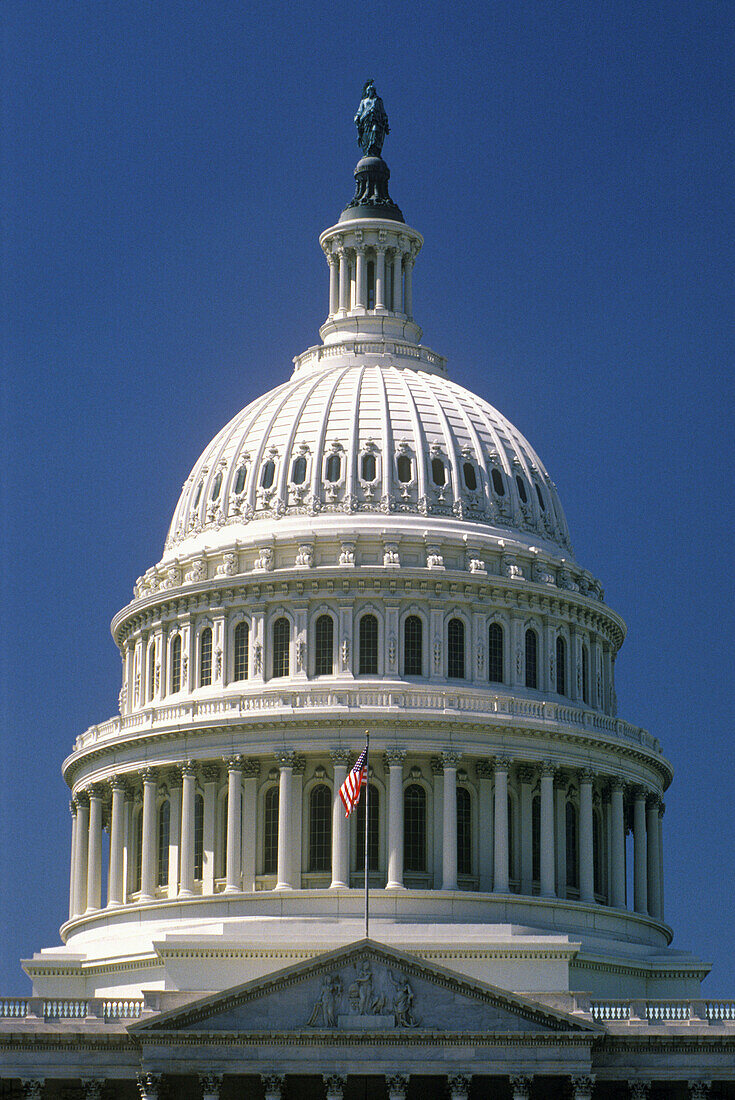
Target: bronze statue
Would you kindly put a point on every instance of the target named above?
(371, 121)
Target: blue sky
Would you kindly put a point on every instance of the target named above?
(166, 171)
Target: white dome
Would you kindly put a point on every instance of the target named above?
(401, 440)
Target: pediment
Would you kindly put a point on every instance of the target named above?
(365, 987)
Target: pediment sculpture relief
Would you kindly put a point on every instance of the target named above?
(358, 998)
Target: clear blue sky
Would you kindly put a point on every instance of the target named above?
(166, 170)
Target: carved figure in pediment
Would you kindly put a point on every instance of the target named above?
(361, 994)
(325, 1007)
(403, 1002)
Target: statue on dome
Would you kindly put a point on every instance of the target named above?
(371, 121)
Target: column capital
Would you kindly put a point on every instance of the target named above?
(334, 1083)
(210, 773)
(638, 794)
(397, 1085)
(394, 757)
(210, 1082)
(503, 763)
(699, 1090)
(149, 775)
(639, 1090)
(92, 1087)
(148, 1085)
(273, 1085)
(616, 783)
(341, 756)
(119, 783)
(250, 767)
(520, 1086)
(548, 769)
(450, 759)
(582, 1086)
(652, 800)
(526, 773)
(586, 775)
(81, 798)
(459, 1085)
(234, 763)
(32, 1087)
(661, 807)
(332, 259)
(73, 807)
(286, 759)
(484, 769)
(97, 790)
(187, 767)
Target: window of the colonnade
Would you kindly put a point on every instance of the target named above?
(455, 650)
(320, 828)
(324, 639)
(368, 646)
(561, 666)
(512, 834)
(242, 649)
(138, 850)
(413, 646)
(495, 653)
(536, 838)
(199, 836)
(373, 832)
(414, 829)
(585, 675)
(371, 284)
(572, 841)
(281, 631)
(164, 838)
(464, 832)
(205, 657)
(531, 659)
(176, 664)
(597, 852)
(221, 845)
(270, 831)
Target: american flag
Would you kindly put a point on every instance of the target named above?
(349, 792)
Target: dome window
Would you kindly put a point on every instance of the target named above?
(320, 828)
(455, 649)
(198, 496)
(269, 471)
(495, 653)
(414, 829)
(561, 666)
(470, 477)
(281, 646)
(298, 470)
(404, 469)
(242, 647)
(438, 473)
(464, 832)
(334, 467)
(413, 639)
(164, 836)
(270, 831)
(242, 473)
(176, 664)
(368, 467)
(368, 663)
(531, 659)
(540, 495)
(371, 284)
(498, 484)
(324, 637)
(205, 658)
(521, 489)
(217, 486)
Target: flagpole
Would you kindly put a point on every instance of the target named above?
(367, 819)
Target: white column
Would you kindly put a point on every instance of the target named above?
(188, 794)
(547, 830)
(251, 771)
(617, 884)
(652, 856)
(149, 847)
(485, 824)
(450, 760)
(526, 776)
(333, 284)
(286, 761)
(73, 861)
(586, 844)
(360, 296)
(82, 848)
(560, 793)
(210, 774)
(640, 870)
(340, 862)
(344, 281)
(397, 282)
(94, 858)
(661, 811)
(234, 826)
(408, 286)
(500, 875)
(380, 278)
(394, 761)
(117, 838)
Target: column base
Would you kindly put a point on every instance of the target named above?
(394, 886)
(232, 890)
(186, 893)
(114, 905)
(283, 886)
(339, 886)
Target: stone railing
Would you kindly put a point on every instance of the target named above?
(662, 1011)
(313, 356)
(70, 1008)
(264, 699)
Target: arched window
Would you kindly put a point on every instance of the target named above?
(334, 466)
(536, 837)
(371, 284)
(298, 470)
(198, 836)
(404, 468)
(164, 837)
(470, 477)
(281, 647)
(414, 828)
(151, 670)
(531, 659)
(320, 828)
(495, 653)
(217, 485)
(585, 675)
(572, 846)
(464, 832)
(242, 649)
(455, 649)
(205, 657)
(198, 496)
(438, 473)
(269, 471)
(242, 473)
(368, 660)
(176, 664)
(561, 666)
(373, 832)
(138, 863)
(521, 489)
(270, 832)
(498, 483)
(413, 646)
(324, 637)
(540, 495)
(368, 467)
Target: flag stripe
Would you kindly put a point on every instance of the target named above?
(349, 792)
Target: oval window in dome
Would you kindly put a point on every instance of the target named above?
(498, 484)
(368, 467)
(333, 468)
(437, 471)
(298, 470)
(521, 489)
(217, 486)
(268, 474)
(404, 468)
(470, 477)
(240, 479)
(540, 495)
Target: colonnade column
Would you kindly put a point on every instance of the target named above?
(450, 760)
(210, 775)
(652, 856)
(94, 856)
(560, 791)
(251, 771)
(80, 854)
(394, 760)
(73, 861)
(617, 861)
(661, 811)
(640, 869)
(380, 278)
(117, 836)
(333, 284)
(526, 776)
(485, 775)
(360, 281)
(174, 833)
(397, 282)
(547, 830)
(286, 762)
(408, 286)
(500, 871)
(186, 853)
(344, 281)
(148, 845)
(340, 868)
(233, 869)
(586, 842)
